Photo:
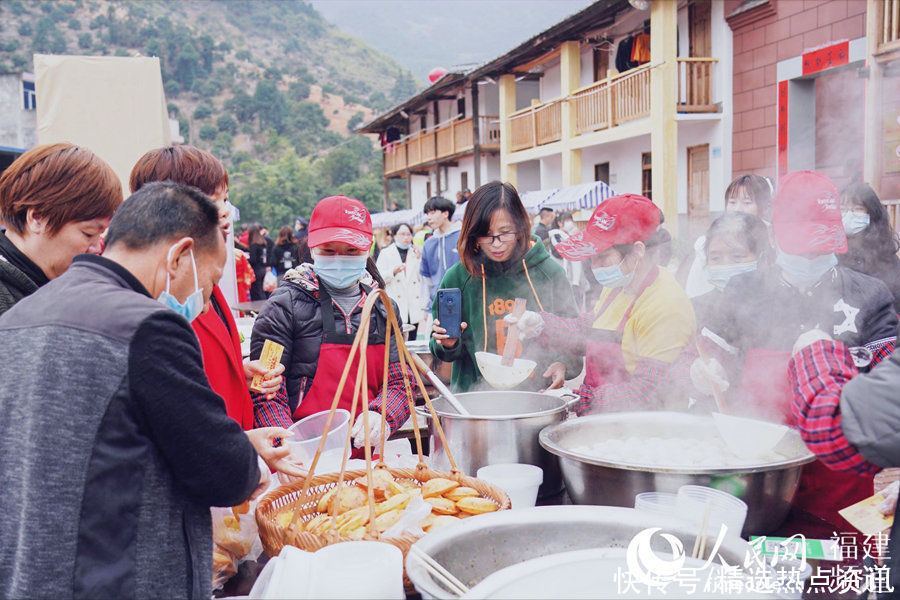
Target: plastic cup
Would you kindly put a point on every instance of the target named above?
(661, 503)
(308, 433)
(692, 502)
(520, 481)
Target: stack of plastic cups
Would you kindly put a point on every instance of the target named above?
(519, 481)
(659, 503)
(694, 501)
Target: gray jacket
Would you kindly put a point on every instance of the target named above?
(112, 445)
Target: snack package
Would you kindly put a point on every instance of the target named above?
(269, 357)
(235, 539)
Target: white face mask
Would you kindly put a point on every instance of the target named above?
(854, 222)
(720, 275)
(802, 272)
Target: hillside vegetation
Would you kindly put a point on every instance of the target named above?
(271, 88)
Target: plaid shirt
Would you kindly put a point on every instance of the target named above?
(817, 373)
(566, 334)
(277, 411)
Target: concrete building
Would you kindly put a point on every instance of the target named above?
(18, 119)
(637, 95)
(442, 140)
(817, 86)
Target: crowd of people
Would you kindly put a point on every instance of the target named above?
(127, 398)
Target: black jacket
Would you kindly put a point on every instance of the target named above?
(292, 317)
(19, 276)
(760, 310)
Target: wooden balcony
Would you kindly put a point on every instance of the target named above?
(454, 138)
(536, 125)
(612, 101)
(695, 84)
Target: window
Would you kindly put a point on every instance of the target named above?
(461, 107)
(601, 172)
(29, 99)
(428, 189)
(423, 123)
(646, 175)
(464, 180)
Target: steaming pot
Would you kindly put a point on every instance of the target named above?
(768, 488)
(503, 428)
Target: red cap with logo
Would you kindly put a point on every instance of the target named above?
(806, 215)
(340, 219)
(624, 219)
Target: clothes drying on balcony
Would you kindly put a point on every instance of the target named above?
(573, 197)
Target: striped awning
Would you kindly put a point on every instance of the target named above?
(395, 217)
(569, 198)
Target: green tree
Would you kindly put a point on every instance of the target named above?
(172, 109)
(222, 145)
(24, 28)
(270, 105)
(227, 124)
(74, 24)
(208, 132)
(369, 191)
(241, 106)
(85, 40)
(207, 48)
(277, 191)
(19, 62)
(243, 54)
(172, 88)
(186, 65)
(338, 167)
(203, 111)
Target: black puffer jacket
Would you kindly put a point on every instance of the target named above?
(292, 317)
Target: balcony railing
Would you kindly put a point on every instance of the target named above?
(612, 101)
(449, 139)
(890, 23)
(695, 84)
(536, 125)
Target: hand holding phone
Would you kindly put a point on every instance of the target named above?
(449, 311)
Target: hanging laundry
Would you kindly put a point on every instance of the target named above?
(640, 49)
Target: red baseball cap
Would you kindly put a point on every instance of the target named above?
(340, 219)
(624, 219)
(807, 215)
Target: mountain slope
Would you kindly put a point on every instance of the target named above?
(251, 81)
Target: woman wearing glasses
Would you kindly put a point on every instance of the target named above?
(499, 262)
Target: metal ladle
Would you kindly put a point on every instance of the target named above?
(436, 381)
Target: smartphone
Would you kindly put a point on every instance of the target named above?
(449, 310)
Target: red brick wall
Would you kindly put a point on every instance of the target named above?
(798, 25)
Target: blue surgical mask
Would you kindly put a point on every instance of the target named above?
(403, 246)
(719, 275)
(339, 271)
(854, 222)
(191, 308)
(613, 276)
(802, 272)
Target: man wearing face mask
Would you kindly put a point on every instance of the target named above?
(315, 314)
(806, 296)
(116, 447)
(641, 321)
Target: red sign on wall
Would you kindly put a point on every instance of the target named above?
(826, 58)
(782, 127)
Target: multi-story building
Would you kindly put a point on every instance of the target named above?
(817, 86)
(18, 119)
(442, 140)
(636, 94)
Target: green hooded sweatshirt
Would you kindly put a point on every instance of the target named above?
(502, 285)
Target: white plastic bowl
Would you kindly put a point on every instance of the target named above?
(308, 433)
(520, 481)
(502, 377)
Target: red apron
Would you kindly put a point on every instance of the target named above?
(333, 355)
(604, 362)
(822, 492)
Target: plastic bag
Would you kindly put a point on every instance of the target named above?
(410, 521)
(235, 539)
(270, 282)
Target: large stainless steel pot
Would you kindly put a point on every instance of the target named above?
(767, 488)
(479, 546)
(503, 428)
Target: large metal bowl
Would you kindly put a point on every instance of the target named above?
(479, 546)
(503, 428)
(768, 487)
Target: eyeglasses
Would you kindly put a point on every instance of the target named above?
(503, 238)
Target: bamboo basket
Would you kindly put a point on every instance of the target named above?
(302, 497)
